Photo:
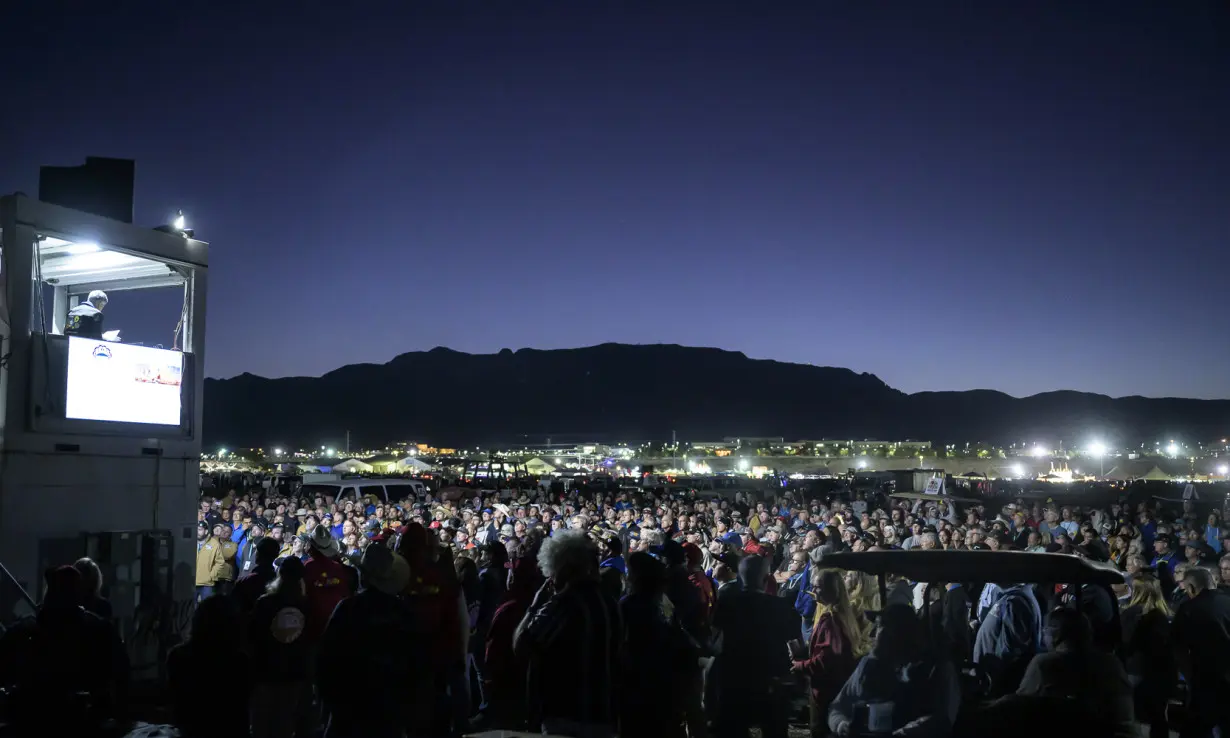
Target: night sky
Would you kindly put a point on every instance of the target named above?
(1023, 196)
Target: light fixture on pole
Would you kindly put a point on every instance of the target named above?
(1098, 449)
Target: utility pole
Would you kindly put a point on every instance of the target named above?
(347, 443)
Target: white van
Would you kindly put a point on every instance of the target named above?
(384, 490)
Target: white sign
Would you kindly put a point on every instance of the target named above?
(935, 486)
(121, 383)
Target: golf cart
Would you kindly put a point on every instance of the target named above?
(937, 568)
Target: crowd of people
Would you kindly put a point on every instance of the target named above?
(655, 612)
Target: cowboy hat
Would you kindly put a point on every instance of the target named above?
(383, 570)
(323, 541)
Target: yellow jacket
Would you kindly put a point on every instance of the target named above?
(210, 562)
(229, 549)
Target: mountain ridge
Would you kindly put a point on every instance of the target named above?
(646, 391)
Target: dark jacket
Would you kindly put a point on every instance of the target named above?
(376, 634)
(755, 628)
(251, 587)
(61, 653)
(86, 321)
(492, 584)
(192, 676)
(573, 642)
(245, 562)
(925, 691)
(100, 606)
(950, 623)
(1147, 651)
(1101, 607)
(1090, 678)
(280, 651)
(652, 694)
(1201, 632)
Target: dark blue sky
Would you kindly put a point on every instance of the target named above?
(1015, 195)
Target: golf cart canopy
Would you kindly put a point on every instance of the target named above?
(938, 498)
(1016, 567)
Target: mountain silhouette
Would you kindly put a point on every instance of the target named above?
(633, 392)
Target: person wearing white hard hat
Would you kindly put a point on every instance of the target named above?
(86, 320)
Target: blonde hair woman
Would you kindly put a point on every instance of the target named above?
(1147, 654)
(91, 588)
(864, 595)
(837, 643)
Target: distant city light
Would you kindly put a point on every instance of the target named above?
(277, 452)
(221, 452)
(1172, 449)
(862, 464)
(1223, 470)
(330, 451)
(1018, 471)
(1039, 452)
(1097, 448)
(558, 461)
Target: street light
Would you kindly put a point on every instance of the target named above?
(1172, 449)
(1098, 449)
(277, 452)
(1223, 470)
(1038, 452)
(1018, 471)
(862, 464)
(221, 452)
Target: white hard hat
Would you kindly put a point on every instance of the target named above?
(96, 296)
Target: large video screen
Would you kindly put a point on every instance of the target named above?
(122, 383)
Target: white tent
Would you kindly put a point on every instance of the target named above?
(413, 464)
(1157, 475)
(539, 467)
(352, 466)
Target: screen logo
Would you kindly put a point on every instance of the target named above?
(102, 352)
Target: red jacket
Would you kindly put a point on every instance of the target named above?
(704, 585)
(328, 583)
(830, 660)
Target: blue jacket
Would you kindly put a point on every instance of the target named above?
(615, 562)
(1168, 559)
(239, 536)
(804, 603)
(1212, 536)
(1011, 632)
